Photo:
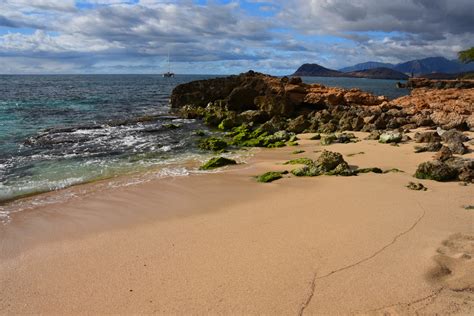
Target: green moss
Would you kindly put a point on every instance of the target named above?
(217, 162)
(328, 139)
(316, 136)
(271, 176)
(292, 143)
(296, 152)
(276, 145)
(212, 143)
(367, 170)
(306, 171)
(300, 161)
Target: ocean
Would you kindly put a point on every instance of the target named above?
(60, 130)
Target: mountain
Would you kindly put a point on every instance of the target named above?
(365, 66)
(378, 73)
(315, 70)
(418, 66)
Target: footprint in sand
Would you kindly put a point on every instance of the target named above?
(456, 263)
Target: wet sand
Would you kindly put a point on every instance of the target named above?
(222, 243)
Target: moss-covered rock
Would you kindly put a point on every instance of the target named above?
(300, 161)
(306, 171)
(329, 160)
(436, 170)
(328, 139)
(316, 136)
(217, 162)
(296, 152)
(271, 176)
(341, 169)
(212, 143)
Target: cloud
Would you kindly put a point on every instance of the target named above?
(231, 36)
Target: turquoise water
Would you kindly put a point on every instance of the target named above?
(61, 130)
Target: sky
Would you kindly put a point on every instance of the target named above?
(225, 36)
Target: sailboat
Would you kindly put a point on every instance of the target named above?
(168, 74)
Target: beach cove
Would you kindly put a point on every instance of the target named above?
(224, 243)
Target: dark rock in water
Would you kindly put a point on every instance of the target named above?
(416, 186)
(431, 147)
(436, 170)
(217, 162)
(427, 137)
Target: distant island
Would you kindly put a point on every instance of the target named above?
(315, 70)
(431, 67)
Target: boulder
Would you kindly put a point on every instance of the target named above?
(427, 137)
(298, 125)
(329, 160)
(453, 136)
(390, 137)
(436, 170)
(217, 162)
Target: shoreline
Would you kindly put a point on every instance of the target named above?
(223, 243)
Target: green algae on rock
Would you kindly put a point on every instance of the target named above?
(213, 143)
(217, 162)
(271, 176)
(300, 161)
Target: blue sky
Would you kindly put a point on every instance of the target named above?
(225, 36)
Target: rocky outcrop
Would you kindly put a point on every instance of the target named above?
(289, 104)
(447, 108)
(416, 83)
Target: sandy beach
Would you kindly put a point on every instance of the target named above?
(222, 243)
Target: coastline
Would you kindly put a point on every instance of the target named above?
(223, 243)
